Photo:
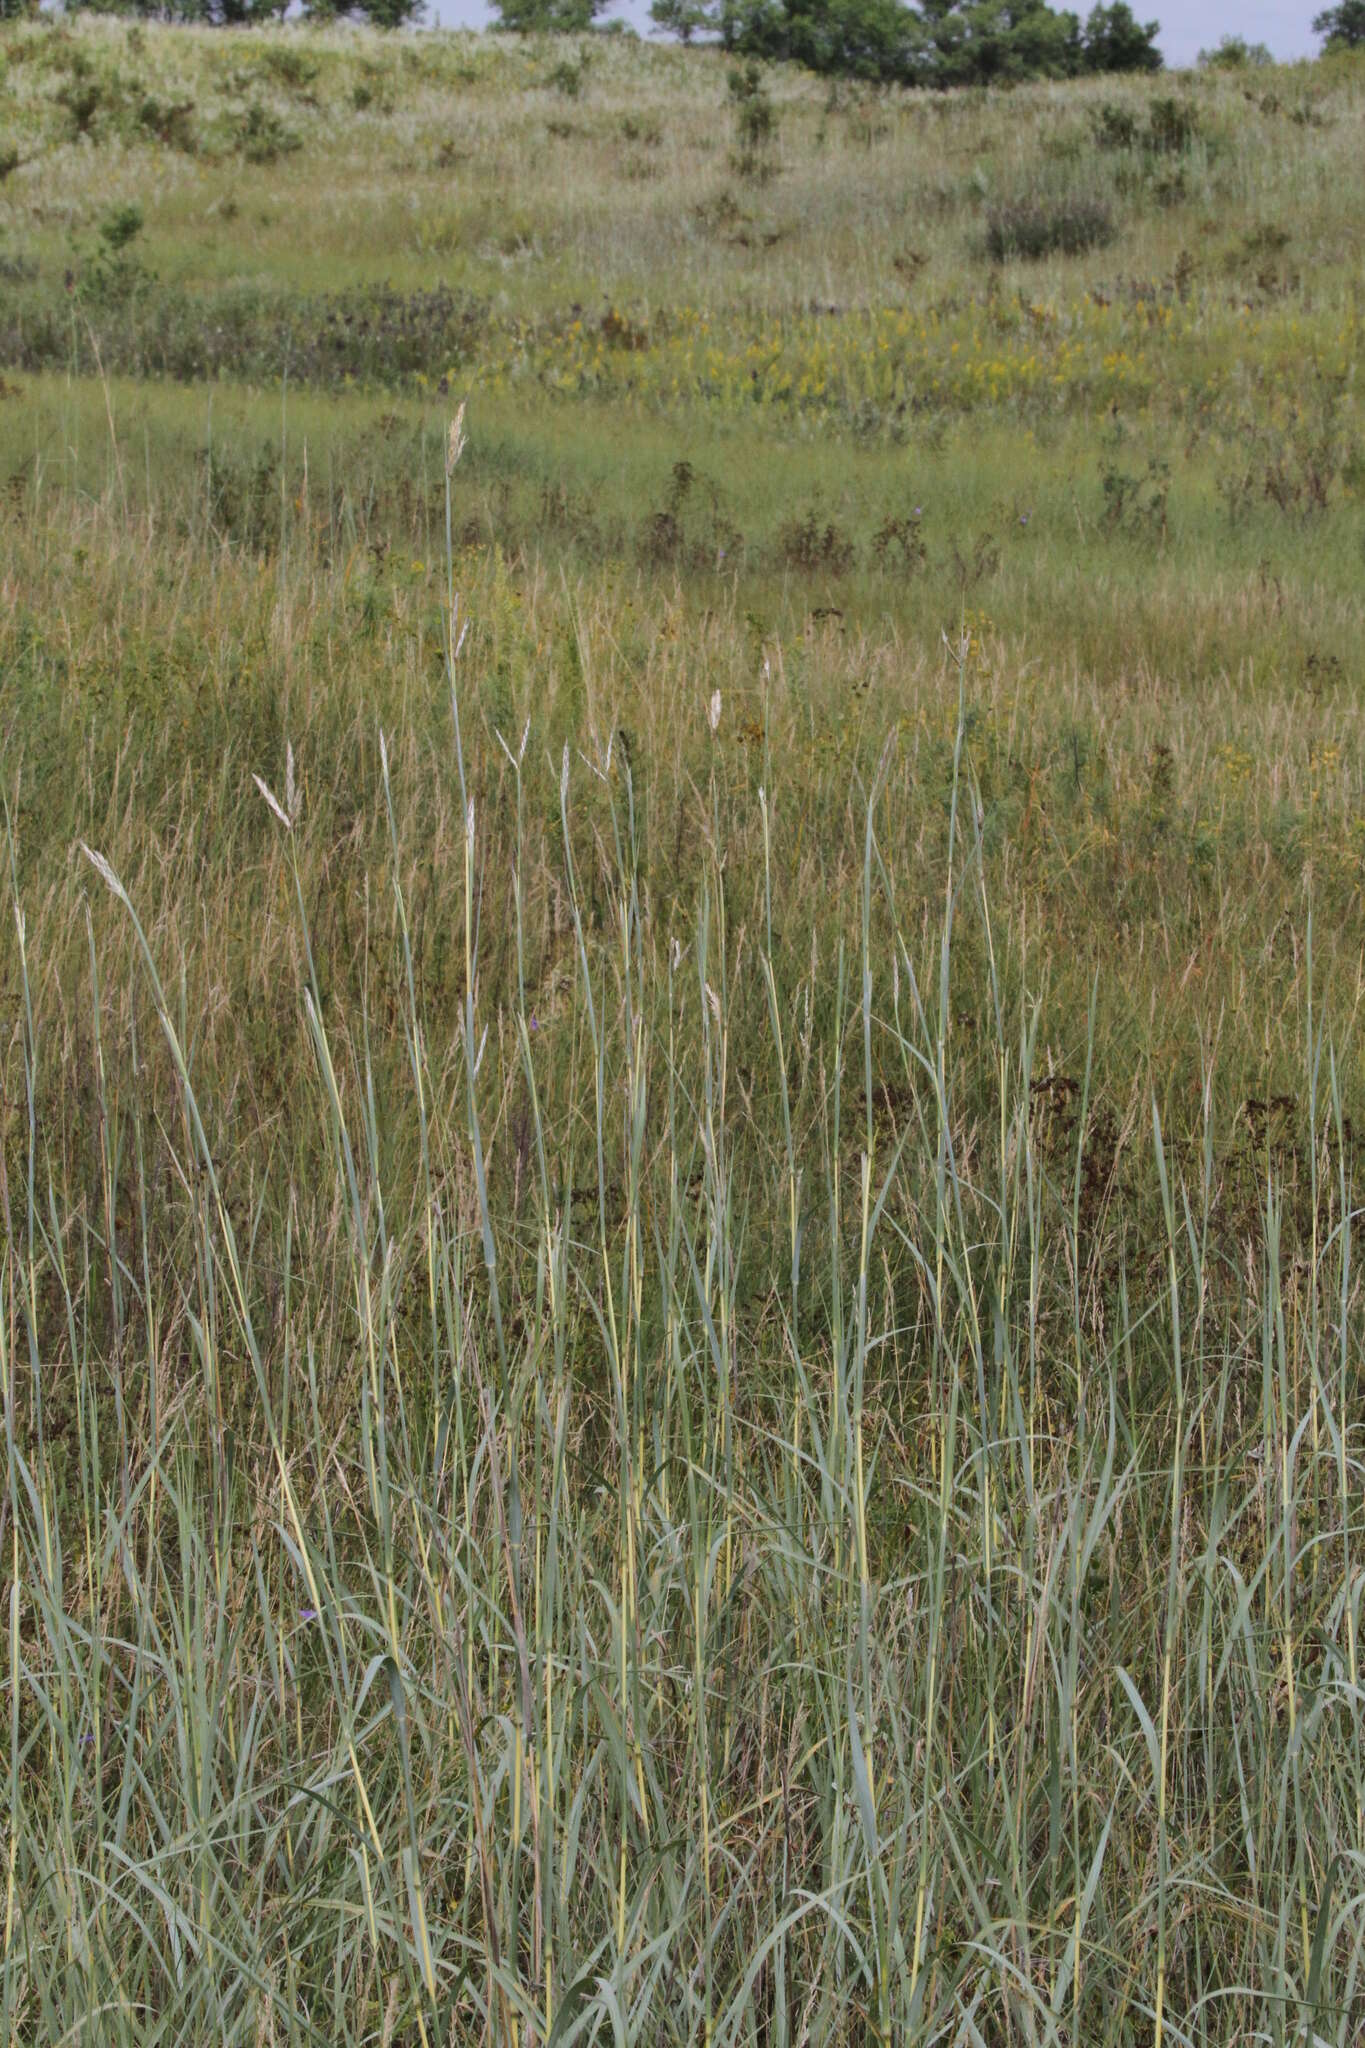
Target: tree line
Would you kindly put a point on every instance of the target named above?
(937, 43)
(920, 42)
(886, 42)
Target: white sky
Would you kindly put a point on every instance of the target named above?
(1185, 30)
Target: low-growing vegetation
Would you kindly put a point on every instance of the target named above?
(684, 811)
(1030, 228)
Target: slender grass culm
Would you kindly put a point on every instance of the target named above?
(655, 1469)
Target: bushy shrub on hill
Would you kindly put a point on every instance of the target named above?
(1031, 228)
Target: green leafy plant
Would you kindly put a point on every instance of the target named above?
(1027, 229)
(1173, 125)
(1136, 503)
(262, 137)
(1115, 126)
(170, 122)
(570, 75)
(755, 121)
(289, 65)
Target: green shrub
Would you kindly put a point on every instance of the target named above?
(262, 137)
(121, 227)
(289, 66)
(169, 122)
(373, 90)
(1172, 126)
(569, 77)
(755, 120)
(1030, 228)
(1114, 126)
(85, 99)
(114, 275)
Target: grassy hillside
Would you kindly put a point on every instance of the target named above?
(679, 1335)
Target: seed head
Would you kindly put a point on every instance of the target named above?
(105, 872)
(276, 806)
(455, 441)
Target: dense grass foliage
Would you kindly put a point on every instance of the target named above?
(680, 1340)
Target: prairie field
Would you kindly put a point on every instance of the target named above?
(680, 1049)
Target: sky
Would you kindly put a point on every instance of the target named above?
(1185, 30)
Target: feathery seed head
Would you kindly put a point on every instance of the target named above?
(455, 440)
(105, 872)
(276, 806)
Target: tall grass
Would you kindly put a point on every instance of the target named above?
(653, 1501)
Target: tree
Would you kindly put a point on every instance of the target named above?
(1115, 40)
(1234, 53)
(387, 13)
(560, 17)
(934, 43)
(982, 42)
(682, 18)
(1343, 25)
(878, 40)
(939, 43)
(378, 13)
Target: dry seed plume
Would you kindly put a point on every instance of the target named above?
(288, 811)
(455, 441)
(278, 808)
(105, 872)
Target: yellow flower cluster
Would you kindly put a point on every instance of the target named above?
(883, 363)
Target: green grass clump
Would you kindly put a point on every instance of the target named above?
(680, 1341)
(1047, 227)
